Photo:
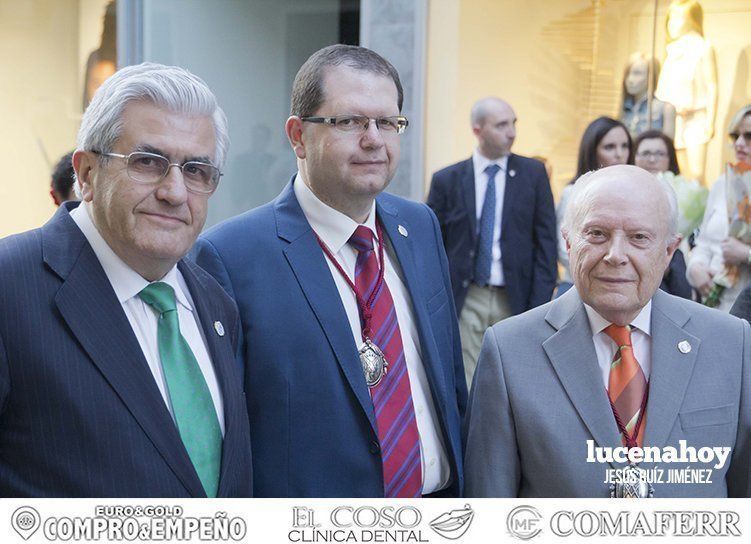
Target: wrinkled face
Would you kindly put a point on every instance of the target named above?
(636, 80)
(613, 148)
(652, 155)
(741, 145)
(497, 132)
(348, 166)
(149, 226)
(618, 245)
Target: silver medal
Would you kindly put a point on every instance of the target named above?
(373, 361)
(633, 484)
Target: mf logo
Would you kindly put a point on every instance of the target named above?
(524, 522)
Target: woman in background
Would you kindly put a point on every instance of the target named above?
(605, 142)
(714, 247)
(655, 152)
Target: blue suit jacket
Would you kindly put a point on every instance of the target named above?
(528, 237)
(80, 412)
(312, 421)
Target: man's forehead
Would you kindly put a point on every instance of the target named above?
(344, 82)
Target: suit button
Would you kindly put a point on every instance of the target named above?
(465, 283)
(472, 253)
(375, 447)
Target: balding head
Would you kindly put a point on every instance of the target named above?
(494, 124)
(620, 233)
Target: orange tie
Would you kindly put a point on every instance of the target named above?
(627, 385)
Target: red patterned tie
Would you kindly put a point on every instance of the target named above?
(627, 383)
(392, 397)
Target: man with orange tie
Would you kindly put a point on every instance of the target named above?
(616, 388)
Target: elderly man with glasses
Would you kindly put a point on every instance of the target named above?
(118, 375)
(355, 382)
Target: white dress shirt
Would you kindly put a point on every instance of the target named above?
(480, 163)
(605, 347)
(127, 283)
(334, 229)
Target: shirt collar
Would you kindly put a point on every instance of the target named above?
(481, 162)
(332, 226)
(643, 321)
(126, 282)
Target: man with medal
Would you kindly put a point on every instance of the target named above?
(355, 381)
(615, 364)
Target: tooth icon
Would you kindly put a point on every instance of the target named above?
(454, 524)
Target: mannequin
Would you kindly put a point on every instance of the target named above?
(639, 72)
(689, 82)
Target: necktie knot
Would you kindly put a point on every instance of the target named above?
(491, 170)
(362, 239)
(160, 296)
(621, 334)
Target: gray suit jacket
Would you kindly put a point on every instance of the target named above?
(538, 397)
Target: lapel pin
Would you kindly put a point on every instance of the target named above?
(219, 328)
(512, 173)
(684, 346)
(403, 231)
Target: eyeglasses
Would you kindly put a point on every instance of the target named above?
(148, 168)
(735, 135)
(358, 124)
(649, 155)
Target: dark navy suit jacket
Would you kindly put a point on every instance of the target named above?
(312, 421)
(528, 237)
(80, 412)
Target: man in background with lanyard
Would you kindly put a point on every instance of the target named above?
(355, 382)
(614, 364)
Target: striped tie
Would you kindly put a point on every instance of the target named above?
(627, 383)
(392, 397)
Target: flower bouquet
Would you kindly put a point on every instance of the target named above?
(692, 199)
(738, 195)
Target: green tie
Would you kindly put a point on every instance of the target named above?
(189, 395)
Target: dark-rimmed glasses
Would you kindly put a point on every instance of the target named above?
(358, 124)
(746, 137)
(149, 168)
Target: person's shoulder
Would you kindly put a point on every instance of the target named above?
(522, 328)
(252, 223)
(409, 209)
(18, 250)
(520, 162)
(699, 315)
(452, 169)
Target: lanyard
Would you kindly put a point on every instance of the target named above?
(631, 439)
(365, 306)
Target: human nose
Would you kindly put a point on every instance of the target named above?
(372, 137)
(172, 187)
(616, 254)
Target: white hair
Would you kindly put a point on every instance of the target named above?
(170, 87)
(584, 189)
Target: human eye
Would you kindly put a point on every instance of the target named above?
(387, 123)
(197, 171)
(350, 122)
(146, 162)
(595, 234)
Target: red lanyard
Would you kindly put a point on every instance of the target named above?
(365, 306)
(631, 439)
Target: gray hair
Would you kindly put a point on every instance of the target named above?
(583, 188)
(170, 87)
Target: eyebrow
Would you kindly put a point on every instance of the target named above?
(146, 148)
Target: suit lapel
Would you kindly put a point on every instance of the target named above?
(509, 193)
(671, 369)
(572, 354)
(308, 263)
(223, 358)
(468, 191)
(405, 255)
(89, 306)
